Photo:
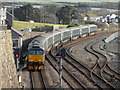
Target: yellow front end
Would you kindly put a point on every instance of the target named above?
(35, 62)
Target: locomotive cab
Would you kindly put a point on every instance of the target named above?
(35, 59)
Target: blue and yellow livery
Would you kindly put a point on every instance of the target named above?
(35, 59)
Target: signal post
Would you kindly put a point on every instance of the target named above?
(61, 55)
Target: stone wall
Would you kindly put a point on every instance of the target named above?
(8, 74)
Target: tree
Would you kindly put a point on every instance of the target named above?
(49, 14)
(83, 8)
(27, 12)
(67, 13)
(36, 15)
(24, 13)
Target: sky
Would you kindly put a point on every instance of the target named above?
(60, 0)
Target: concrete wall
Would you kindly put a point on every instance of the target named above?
(112, 47)
(112, 37)
(8, 73)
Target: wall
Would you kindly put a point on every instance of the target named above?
(3, 27)
(8, 75)
(112, 47)
(112, 37)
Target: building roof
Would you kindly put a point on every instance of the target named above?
(17, 32)
(1, 6)
(113, 16)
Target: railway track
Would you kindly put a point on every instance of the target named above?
(86, 71)
(37, 80)
(91, 74)
(104, 74)
(79, 68)
(106, 66)
(68, 77)
(98, 77)
(107, 70)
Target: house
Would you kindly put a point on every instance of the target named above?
(74, 21)
(17, 45)
(16, 38)
(3, 25)
(94, 19)
(113, 18)
(85, 18)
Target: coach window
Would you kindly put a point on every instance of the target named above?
(15, 43)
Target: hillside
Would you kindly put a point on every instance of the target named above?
(20, 25)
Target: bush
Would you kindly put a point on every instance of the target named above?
(37, 29)
(72, 25)
(77, 24)
(89, 22)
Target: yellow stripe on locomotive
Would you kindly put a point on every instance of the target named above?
(35, 59)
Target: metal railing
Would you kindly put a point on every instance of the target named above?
(3, 27)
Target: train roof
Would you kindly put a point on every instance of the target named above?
(39, 39)
(84, 26)
(73, 28)
(92, 25)
(47, 35)
(56, 32)
(63, 30)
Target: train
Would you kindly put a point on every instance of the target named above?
(41, 44)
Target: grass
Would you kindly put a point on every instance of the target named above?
(20, 25)
(104, 47)
(89, 14)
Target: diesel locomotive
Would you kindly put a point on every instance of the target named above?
(39, 45)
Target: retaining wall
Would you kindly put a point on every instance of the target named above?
(8, 74)
(112, 47)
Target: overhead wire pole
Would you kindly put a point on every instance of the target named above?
(1, 62)
(12, 14)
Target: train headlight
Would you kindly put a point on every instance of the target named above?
(40, 60)
(31, 60)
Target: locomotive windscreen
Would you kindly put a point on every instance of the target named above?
(36, 52)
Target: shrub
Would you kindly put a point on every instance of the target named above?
(36, 29)
(77, 24)
(89, 22)
(72, 25)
